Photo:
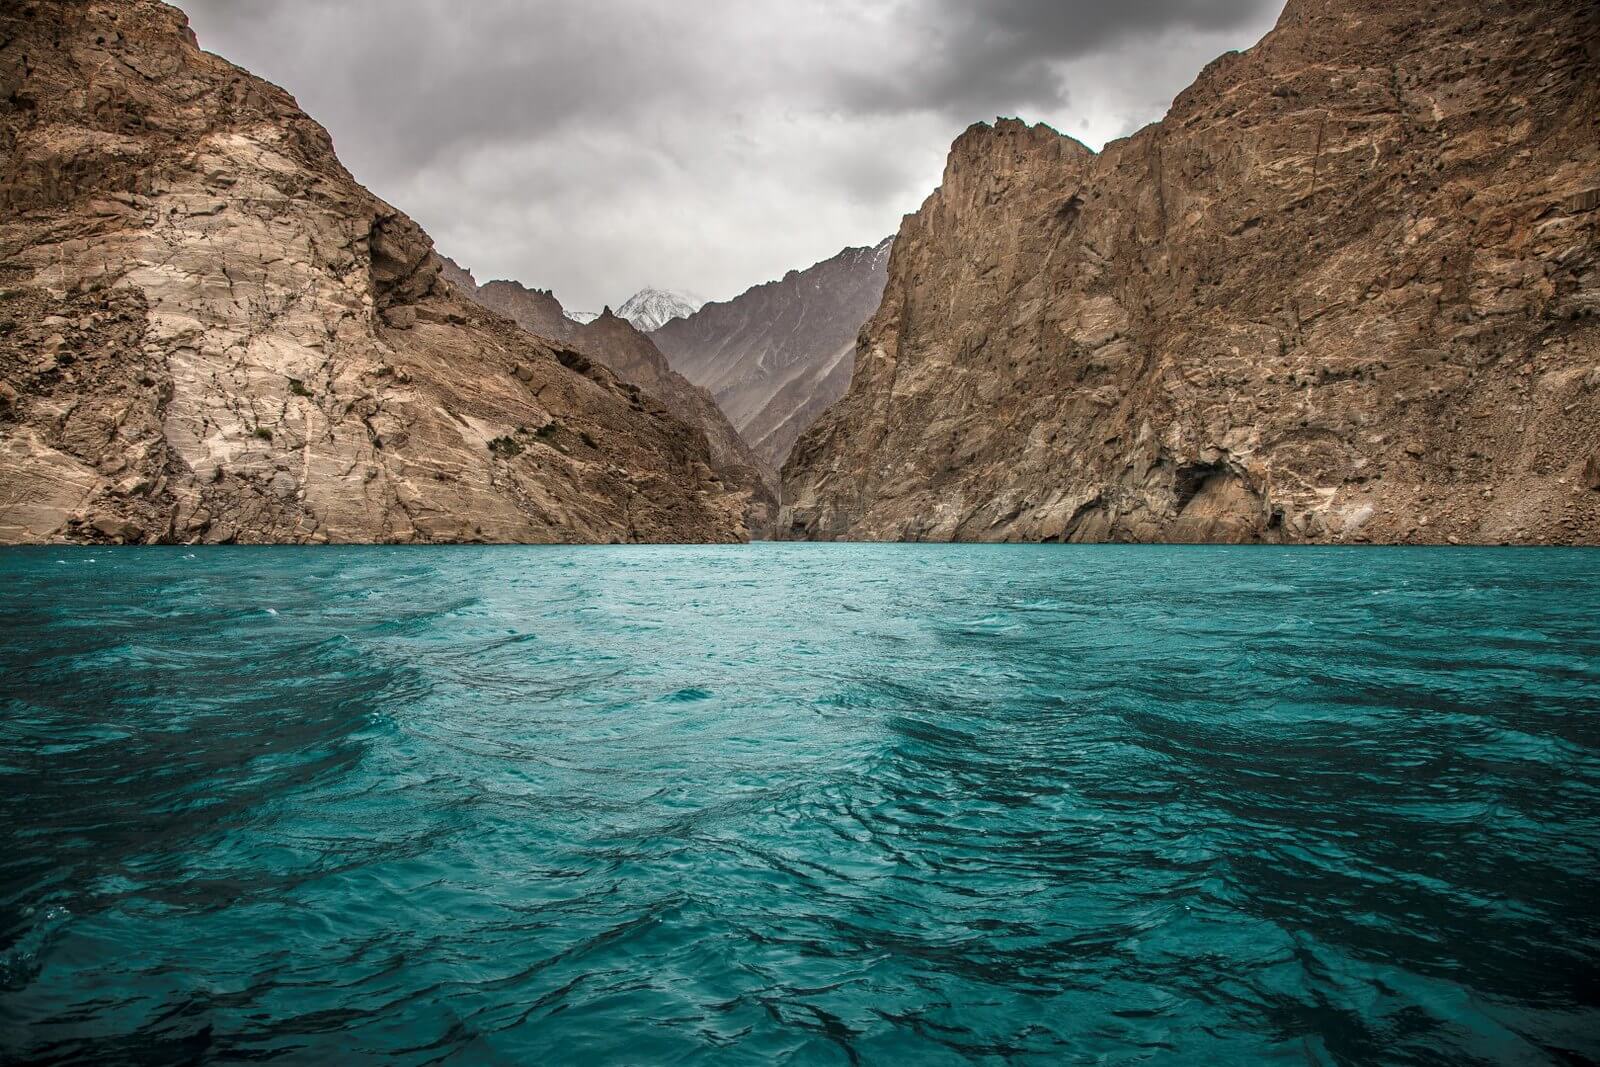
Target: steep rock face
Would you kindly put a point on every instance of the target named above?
(779, 354)
(535, 310)
(1346, 290)
(210, 332)
(616, 343)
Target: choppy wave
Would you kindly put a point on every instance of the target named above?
(806, 804)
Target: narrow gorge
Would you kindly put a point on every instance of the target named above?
(778, 355)
(616, 342)
(1345, 291)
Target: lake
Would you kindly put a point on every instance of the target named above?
(800, 803)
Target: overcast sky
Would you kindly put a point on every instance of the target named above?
(598, 146)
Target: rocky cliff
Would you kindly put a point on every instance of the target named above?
(535, 310)
(1345, 291)
(615, 342)
(776, 356)
(210, 332)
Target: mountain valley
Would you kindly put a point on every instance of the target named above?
(1345, 291)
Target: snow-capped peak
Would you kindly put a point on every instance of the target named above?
(651, 309)
(582, 317)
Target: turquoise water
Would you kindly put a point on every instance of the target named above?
(800, 803)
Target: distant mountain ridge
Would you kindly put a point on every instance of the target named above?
(648, 309)
(776, 356)
(771, 360)
(613, 341)
(651, 309)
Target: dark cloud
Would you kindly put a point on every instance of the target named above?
(1008, 55)
(1067, 29)
(597, 146)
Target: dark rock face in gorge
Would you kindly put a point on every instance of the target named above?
(209, 332)
(633, 357)
(778, 355)
(1345, 291)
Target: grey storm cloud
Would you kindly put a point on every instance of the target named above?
(597, 146)
(979, 55)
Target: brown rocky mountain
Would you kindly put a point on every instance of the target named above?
(615, 342)
(210, 332)
(535, 310)
(1345, 290)
(778, 355)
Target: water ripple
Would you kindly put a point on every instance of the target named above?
(802, 804)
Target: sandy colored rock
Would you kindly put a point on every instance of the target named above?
(1345, 288)
(215, 334)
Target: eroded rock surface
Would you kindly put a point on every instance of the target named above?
(617, 343)
(209, 332)
(776, 356)
(1346, 291)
